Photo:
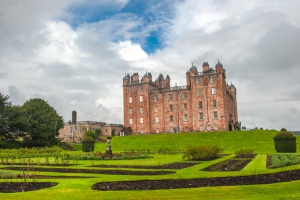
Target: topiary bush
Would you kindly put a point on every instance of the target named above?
(285, 141)
(88, 144)
(203, 152)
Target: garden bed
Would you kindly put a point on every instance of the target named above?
(229, 165)
(199, 182)
(11, 187)
(68, 170)
(175, 165)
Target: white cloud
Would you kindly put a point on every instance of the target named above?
(82, 68)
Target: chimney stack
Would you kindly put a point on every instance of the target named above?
(74, 117)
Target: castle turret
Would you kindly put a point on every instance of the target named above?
(147, 78)
(219, 67)
(126, 79)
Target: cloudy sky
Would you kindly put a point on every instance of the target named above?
(74, 53)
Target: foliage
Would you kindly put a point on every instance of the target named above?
(203, 152)
(115, 156)
(11, 125)
(244, 153)
(98, 132)
(113, 132)
(90, 133)
(285, 141)
(42, 123)
(284, 160)
(88, 144)
(127, 130)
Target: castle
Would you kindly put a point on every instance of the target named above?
(205, 103)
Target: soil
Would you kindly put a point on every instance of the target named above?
(269, 161)
(199, 182)
(229, 165)
(11, 187)
(175, 165)
(113, 172)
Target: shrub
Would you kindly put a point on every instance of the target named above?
(284, 160)
(244, 153)
(204, 152)
(284, 141)
(88, 144)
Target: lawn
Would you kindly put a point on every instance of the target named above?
(260, 141)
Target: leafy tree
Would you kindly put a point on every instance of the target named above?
(98, 132)
(42, 123)
(113, 132)
(11, 125)
(90, 133)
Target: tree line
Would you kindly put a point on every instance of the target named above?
(34, 124)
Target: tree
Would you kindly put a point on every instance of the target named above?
(90, 133)
(42, 123)
(98, 132)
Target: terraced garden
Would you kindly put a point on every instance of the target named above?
(69, 175)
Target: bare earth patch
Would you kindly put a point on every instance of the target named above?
(113, 172)
(199, 182)
(11, 187)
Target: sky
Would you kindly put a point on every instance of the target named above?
(75, 53)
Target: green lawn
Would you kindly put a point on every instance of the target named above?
(260, 141)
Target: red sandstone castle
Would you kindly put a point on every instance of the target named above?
(206, 103)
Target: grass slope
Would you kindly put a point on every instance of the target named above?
(259, 141)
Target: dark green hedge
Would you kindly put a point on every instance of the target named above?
(284, 141)
(88, 144)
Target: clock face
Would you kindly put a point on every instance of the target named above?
(205, 81)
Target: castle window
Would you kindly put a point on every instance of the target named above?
(141, 120)
(212, 79)
(200, 105)
(201, 128)
(157, 120)
(170, 97)
(185, 117)
(142, 130)
(201, 116)
(130, 121)
(141, 87)
(184, 95)
(156, 108)
(171, 118)
(185, 106)
(216, 128)
(141, 110)
(171, 107)
(156, 98)
(130, 88)
(130, 110)
(141, 98)
(199, 92)
(199, 80)
(186, 129)
(213, 90)
(215, 115)
(214, 103)
(157, 130)
(130, 99)
(106, 130)
(208, 127)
